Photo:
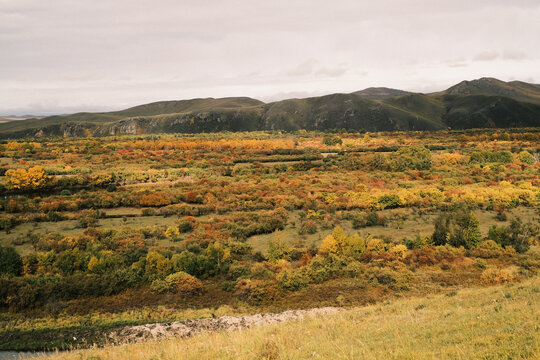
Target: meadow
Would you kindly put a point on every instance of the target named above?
(480, 323)
(101, 232)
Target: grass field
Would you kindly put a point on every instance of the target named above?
(414, 224)
(482, 323)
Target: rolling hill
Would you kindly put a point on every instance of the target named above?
(498, 322)
(482, 103)
(379, 93)
(517, 90)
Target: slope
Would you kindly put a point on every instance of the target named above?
(517, 90)
(341, 111)
(498, 322)
(380, 93)
(482, 103)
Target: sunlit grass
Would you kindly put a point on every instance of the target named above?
(485, 323)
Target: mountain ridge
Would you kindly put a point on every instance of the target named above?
(480, 103)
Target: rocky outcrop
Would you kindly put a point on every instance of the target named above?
(223, 323)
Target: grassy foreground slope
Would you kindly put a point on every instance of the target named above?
(501, 322)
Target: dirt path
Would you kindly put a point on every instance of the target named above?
(226, 323)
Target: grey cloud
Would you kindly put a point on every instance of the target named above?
(332, 71)
(514, 55)
(302, 69)
(487, 56)
(456, 62)
(505, 55)
(309, 67)
(70, 54)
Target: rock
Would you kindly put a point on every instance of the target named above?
(223, 323)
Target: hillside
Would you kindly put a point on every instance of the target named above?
(482, 103)
(516, 90)
(342, 111)
(488, 323)
(379, 93)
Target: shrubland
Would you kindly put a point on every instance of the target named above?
(257, 221)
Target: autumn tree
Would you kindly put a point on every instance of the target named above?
(339, 243)
(22, 179)
(414, 157)
(526, 157)
(172, 232)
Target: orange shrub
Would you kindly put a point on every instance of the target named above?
(185, 284)
(494, 276)
(155, 199)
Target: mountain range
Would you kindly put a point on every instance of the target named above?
(482, 103)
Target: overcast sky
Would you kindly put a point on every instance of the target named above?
(63, 56)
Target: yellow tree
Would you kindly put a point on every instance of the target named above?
(21, 179)
(334, 243)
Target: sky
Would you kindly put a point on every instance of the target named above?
(64, 56)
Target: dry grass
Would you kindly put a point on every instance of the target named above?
(484, 323)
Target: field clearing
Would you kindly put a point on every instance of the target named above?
(121, 211)
(415, 224)
(482, 323)
(70, 228)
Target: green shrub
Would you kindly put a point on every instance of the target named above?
(237, 271)
(324, 268)
(488, 156)
(501, 216)
(185, 261)
(10, 261)
(278, 250)
(479, 263)
(259, 271)
(390, 201)
(459, 228)
(292, 280)
(411, 158)
(111, 188)
(526, 157)
(185, 226)
(517, 234)
(354, 269)
(395, 279)
(331, 140)
(487, 249)
(160, 286)
(363, 219)
(418, 242)
(55, 216)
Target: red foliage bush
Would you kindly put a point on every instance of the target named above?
(425, 256)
